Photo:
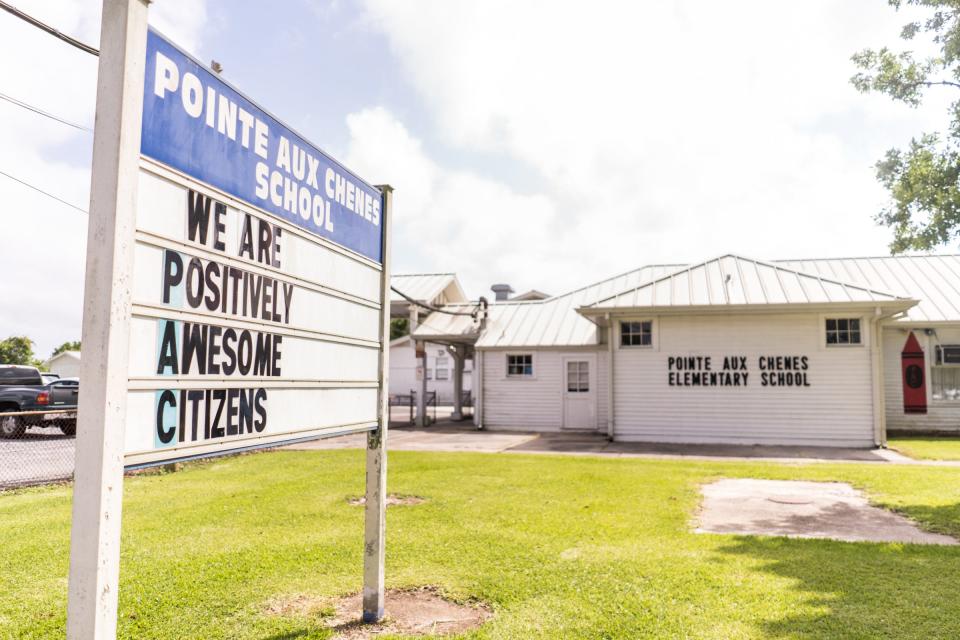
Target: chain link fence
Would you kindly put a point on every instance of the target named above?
(36, 447)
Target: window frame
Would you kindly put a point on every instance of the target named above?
(566, 376)
(640, 321)
(520, 376)
(938, 369)
(824, 331)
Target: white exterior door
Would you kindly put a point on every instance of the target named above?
(579, 392)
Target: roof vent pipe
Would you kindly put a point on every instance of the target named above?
(502, 291)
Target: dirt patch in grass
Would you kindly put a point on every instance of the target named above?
(303, 606)
(419, 612)
(393, 500)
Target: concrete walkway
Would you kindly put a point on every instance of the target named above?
(799, 509)
(462, 437)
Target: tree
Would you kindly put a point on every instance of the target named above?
(922, 180)
(66, 346)
(17, 350)
(399, 327)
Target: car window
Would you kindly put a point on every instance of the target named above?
(20, 376)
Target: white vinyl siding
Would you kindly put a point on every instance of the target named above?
(835, 410)
(942, 415)
(534, 404)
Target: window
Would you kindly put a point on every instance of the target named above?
(520, 365)
(945, 373)
(636, 334)
(442, 362)
(443, 374)
(429, 374)
(843, 331)
(578, 376)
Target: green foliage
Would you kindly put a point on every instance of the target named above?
(18, 350)
(399, 327)
(561, 547)
(922, 180)
(66, 346)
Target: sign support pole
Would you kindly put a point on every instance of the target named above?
(98, 479)
(374, 547)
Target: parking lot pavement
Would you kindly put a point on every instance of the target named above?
(41, 455)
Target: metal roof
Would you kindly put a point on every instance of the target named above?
(933, 280)
(426, 287)
(732, 280)
(538, 323)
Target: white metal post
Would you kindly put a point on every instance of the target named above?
(422, 393)
(374, 547)
(98, 478)
(459, 355)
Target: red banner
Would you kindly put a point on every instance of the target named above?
(914, 380)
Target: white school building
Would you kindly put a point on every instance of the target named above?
(829, 352)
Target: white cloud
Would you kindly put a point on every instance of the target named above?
(661, 131)
(44, 245)
(443, 216)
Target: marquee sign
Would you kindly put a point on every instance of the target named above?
(235, 297)
(256, 285)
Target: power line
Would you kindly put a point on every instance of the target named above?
(47, 114)
(472, 314)
(39, 190)
(45, 27)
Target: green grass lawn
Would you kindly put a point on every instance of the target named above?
(940, 448)
(561, 547)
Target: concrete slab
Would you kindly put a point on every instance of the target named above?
(833, 510)
(429, 440)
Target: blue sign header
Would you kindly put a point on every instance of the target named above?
(196, 123)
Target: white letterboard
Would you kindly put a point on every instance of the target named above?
(257, 285)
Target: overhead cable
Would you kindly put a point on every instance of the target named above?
(45, 27)
(46, 114)
(39, 190)
(472, 314)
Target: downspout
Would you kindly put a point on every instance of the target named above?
(481, 373)
(610, 352)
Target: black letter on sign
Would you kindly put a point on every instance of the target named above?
(246, 238)
(165, 435)
(168, 349)
(219, 226)
(259, 400)
(194, 294)
(172, 272)
(198, 216)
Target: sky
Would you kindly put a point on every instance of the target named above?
(542, 144)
